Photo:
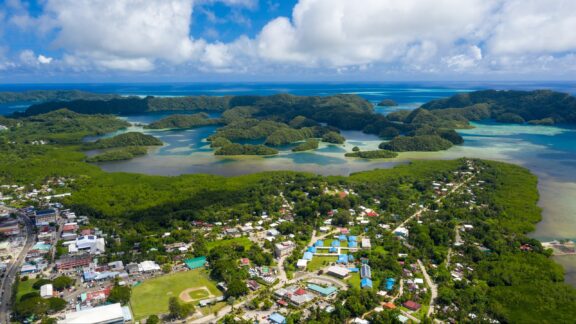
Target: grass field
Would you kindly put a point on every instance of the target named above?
(151, 297)
(198, 294)
(244, 241)
(319, 262)
(25, 287)
(342, 243)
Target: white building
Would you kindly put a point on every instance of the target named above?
(108, 314)
(301, 264)
(338, 272)
(366, 243)
(46, 291)
(148, 266)
(90, 243)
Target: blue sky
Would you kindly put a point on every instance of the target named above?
(294, 40)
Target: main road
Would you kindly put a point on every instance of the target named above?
(12, 271)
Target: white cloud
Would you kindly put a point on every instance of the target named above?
(44, 59)
(345, 32)
(535, 26)
(124, 34)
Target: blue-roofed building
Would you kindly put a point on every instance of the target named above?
(312, 249)
(343, 237)
(365, 271)
(350, 258)
(308, 256)
(333, 250)
(351, 238)
(319, 243)
(277, 318)
(352, 244)
(335, 243)
(343, 258)
(353, 269)
(390, 284)
(366, 283)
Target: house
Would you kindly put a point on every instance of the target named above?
(359, 320)
(401, 232)
(308, 256)
(412, 305)
(253, 285)
(365, 271)
(284, 248)
(148, 266)
(335, 243)
(342, 237)
(390, 283)
(312, 249)
(243, 262)
(132, 268)
(389, 305)
(319, 243)
(276, 318)
(273, 232)
(46, 291)
(302, 264)
(352, 244)
(366, 243)
(344, 231)
(338, 272)
(343, 259)
(366, 283)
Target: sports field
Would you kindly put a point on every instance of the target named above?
(151, 297)
(319, 262)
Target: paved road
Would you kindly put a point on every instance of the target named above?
(12, 271)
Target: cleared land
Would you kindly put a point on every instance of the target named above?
(243, 241)
(319, 262)
(151, 297)
(25, 287)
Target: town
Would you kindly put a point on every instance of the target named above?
(60, 257)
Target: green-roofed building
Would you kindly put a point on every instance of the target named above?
(195, 263)
(324, 291)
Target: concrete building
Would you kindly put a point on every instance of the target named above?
(366, 243)
(284, 248)
(46, 291)
(109, 314)
(338, 272)
(71, 262)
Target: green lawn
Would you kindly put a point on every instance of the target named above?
(354, 280)
(244, 241)
(25, 287)
(198, 294)
(319, 262)
(151, 297)
(329, 242)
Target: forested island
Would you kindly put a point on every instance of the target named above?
(280, 120)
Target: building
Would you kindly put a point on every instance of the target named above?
(284, 248)
(90, 243)
(302, 264)
(319, 243)
(148, 266)
(44, 217)
(366, 243)
(412, 305)
(401, 232)
(366, 283)
(108, 314)
(276, 318)
(343, 259)
(365, 271)
(390, 284)
(338, 272)
(73, 261)
(46, 291)
(308, 256)
(323, 291)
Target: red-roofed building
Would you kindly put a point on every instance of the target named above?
(70, 227)
(86, 232)
(300, 292)
(412, 305)
(245, 262)
(342, 194)
(389, 305)
(372, 214)
(98, 296)
(344, 231)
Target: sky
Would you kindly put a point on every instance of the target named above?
(290, 40)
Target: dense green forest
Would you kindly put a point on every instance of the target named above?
(184, 121)
(52, 95)
(516, 106)
(245, 149)
(376, 154)
(123, 140)
(420, 143)
(119, 154)
(310, 144)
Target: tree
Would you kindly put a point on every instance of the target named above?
(355, 149)
(236, 288)
(153, 319)
(120, 294)
(56, 304)
(62, 283)
(179, 310)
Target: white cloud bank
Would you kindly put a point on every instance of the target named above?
(422, 36)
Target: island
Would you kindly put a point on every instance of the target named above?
(118, 154)
(184, 121)
(376, 154)
(387, 103)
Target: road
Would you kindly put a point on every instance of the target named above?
(12, 271)
(433, 288)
